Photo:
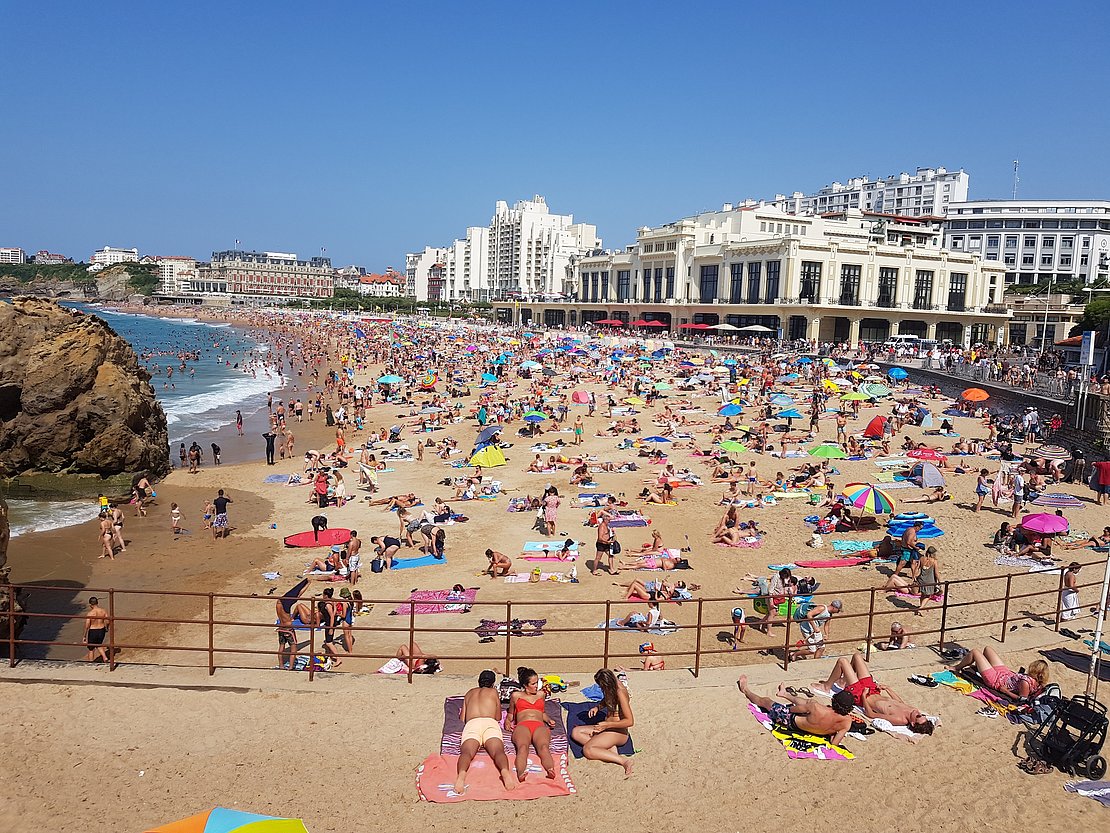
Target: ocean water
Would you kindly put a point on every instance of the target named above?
(225, 370)
(26, 516)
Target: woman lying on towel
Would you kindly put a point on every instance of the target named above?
(662, 590)
(600, 741)
(529, 725)
(1013, 685)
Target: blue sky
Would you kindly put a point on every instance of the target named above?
(374, 129)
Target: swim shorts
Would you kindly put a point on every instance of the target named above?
(861, 689)
(782, 717)
(481, 729)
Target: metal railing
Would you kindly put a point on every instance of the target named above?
(221, 632)
(1045, 383)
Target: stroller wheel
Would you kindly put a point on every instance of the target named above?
(1096, 767)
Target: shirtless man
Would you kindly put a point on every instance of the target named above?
(499, 563)
(481, 713)
(96, 628)
(876, 701)
(287, 637)
(604, 545)
(802, 714)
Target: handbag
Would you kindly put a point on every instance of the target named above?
(615, 546)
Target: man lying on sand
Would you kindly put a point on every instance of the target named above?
(876, 701)
(804, 714)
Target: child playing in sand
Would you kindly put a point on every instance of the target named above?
(175, 519)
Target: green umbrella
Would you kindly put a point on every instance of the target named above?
(828, 450)
(661, 386)
(733, 446)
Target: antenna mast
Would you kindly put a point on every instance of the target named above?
(1017, 179)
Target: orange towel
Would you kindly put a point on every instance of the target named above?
(435, 780)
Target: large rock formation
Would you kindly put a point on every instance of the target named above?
(73, 397)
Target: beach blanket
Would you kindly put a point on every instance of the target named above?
(521, 627)
(799, 744)
(418, 561)
(666, 629)
(578, 715)
(278, 478)
(394, 666)
(854, 546)
(951, 680)
(450, 743)
(849, 561)
(1098, 790)
(435, 780)
(518, 504)
(541, 547)
(628, 522)
(526, 578)
(751, 543)
(1022, 561)
(437, 601)
(899, 483)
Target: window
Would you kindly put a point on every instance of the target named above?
(1048, 242)
(1046, 260)
(1067, 242)
(923, 289)
(659, 285)
(992, 241)
(624, 284)
(594, 286)
(771, 290)
(763, 227)
(670, 282)
(849, 284)
(1086, 242)
(811, 281)
(888, 286)
(708, 284)
(1065, 261)
(647, 284)
(1084, 260)
(754, 277)
(1009, 260)
(605, 286)
(958, 242)
(1030, 242)
(1031, 224)
(957, 291)
(1011, 241)
(736, 284)
(975, 241)
(1027, 260)
(583, 292)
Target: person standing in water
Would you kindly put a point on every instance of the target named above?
(239, 422)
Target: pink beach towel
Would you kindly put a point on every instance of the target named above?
(437, 601)
(435, 780)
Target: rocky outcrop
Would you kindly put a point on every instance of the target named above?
(73, 398)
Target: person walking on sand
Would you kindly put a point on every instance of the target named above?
(175, 520)
(578, 430)
(107, 537)
(239, 422)
(116, 514)
(220, 527)
(604, 545)
(96, 628)
(286, 636)
(481, 715)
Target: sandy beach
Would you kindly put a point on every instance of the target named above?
(382, 725)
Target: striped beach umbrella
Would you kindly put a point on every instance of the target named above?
(869, 498)
(874, 389)
(223, 820)
(1050, 452)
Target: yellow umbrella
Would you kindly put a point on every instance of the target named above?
(488, 458)
(634, 400)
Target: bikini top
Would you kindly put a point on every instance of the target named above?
(523, 705)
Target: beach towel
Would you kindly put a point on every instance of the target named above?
(1098, 790)
(966, 687)
(435, 780)
(437, 601)
(751, 543)
(450, 742)
(394, 666)
(799, 744)
(418, 561)
(628, 522)
(1021, 561)
(518, 504)
(526, 578)
(578, 715)
(521, 627)
(545, 546)
(666, 628)
(277, 478)
(850, 561)
(854, 546)
(898, 483)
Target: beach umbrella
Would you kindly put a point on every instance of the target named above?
(488, 458)
(488, 377)
(1051, 452)
(733, 447)
(428, 380)
(897, 373)
(781, 400)
(661, 386)
(1044, 523)
(431, 409)
(730, 410)
(854, 396)
(390, 379)
(547, 371)
(1058, 500)
(975, 395)
(789, 413)
(223, 820)
(536, 416)
(487, 434)
(828, 451)
(830, 386)
(633, 400)
(803, 360)
(580, 397)
(530, 365)
(930, 454)
(610, 322)
(874, 390)
(869, 498)
(841, 382)
(656, 440)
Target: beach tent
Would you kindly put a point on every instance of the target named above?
(927, 475)
(223, 820)
(874, 429)
(488, 458)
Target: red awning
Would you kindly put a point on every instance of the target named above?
(610, 322)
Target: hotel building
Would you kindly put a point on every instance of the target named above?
(264, 276)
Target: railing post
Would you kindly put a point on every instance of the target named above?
(943, 616)
(605, 650)
(789, 620)
(211, 634)
(870, 627)
(1006, 607)
(508, 639)
(314, 612)
(111, 629)
(697, 641)
(412, 639)
(1059, 602)
(11, 626)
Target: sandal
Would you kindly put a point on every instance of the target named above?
(806, 692)
(926, 682)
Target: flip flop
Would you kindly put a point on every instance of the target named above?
(806, 692)
(926, 682)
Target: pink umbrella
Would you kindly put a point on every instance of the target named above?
(580, 396)
(1044, 523)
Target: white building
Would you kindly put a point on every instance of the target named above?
(262, 276)
(425, 277)
(176, 273)
(818, 278)
(389, 285)
(109, 256)
(926, 193)
(348, 277)
(531, 249)
(12, 255)
(1035, 240)
(50, 259)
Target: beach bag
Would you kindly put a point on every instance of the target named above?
(377, 565)
(615, 546)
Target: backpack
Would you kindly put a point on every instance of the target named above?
(1045, 705)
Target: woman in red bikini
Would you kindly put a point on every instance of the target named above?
(529, 724)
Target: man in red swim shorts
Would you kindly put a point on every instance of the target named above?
(874, 700)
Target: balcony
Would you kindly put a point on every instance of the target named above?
(956, 307)
(924, 305)
(848, 301)
(886, 302)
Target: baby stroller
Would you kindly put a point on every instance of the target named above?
(1071, 739)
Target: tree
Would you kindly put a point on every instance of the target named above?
(1095, 317)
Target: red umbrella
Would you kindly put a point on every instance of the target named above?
(610, 322)
(693, 326)
(640, 322)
